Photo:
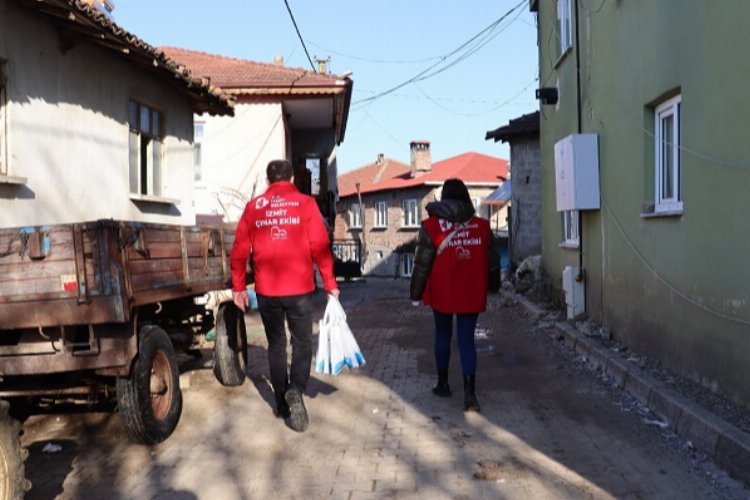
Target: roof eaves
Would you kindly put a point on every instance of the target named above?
(98, 28)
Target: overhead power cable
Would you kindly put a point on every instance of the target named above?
(469, 47)
(299, 35)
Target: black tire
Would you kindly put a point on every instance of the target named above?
(149, 399)
(230, 348)
(13, 483)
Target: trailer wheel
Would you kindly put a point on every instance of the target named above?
(149, 399)
(230, 348)
(13, 483)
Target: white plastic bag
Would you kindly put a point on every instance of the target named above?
(323, 356)
(337, 347)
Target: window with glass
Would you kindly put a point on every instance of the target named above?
(668, 170)
(355, 216)
(411, 213)
(407, 264)
(570, 228)
(381, 214)
(198, 134)
(564, 26)
(146, 149)
(3, 120)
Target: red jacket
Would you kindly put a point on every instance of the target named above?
(457, 282)
(283, 231)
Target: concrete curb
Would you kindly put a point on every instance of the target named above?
(712, 435)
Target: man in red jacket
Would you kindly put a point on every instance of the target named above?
(283, 233)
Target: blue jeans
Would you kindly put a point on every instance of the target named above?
(465, 326)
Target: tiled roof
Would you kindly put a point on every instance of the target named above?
(525, 124)
(96, 27)
(228, 72)
(469, 167)
(385, 169)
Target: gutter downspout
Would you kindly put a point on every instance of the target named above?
(581, 275)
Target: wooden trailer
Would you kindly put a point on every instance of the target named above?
(107, 303)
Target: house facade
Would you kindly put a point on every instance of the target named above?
(525, 214)
(280, 113)
(657, 90)
(381, 205)
(94, 122)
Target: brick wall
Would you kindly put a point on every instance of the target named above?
(387, 245)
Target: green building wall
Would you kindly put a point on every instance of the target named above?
(675, 288)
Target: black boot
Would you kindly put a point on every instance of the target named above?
(470, 399)
(442, 388)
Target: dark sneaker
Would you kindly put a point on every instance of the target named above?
(442, 389)
(282, 410)
(471, 404)
(298, 419)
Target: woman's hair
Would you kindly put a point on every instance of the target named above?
(455, 189)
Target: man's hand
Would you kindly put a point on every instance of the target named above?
(241, 300)
(335, 293)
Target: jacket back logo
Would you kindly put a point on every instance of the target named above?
(463, 253)
(278, 233)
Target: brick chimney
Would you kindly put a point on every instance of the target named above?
(421, 163)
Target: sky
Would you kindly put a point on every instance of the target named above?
(445, 71)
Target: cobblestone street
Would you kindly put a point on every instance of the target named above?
(547, 430)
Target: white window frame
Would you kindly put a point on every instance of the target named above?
(407, 264)
(146, 167)
(198, 148)
(564, 25)
(4, 171)
(381, 214)
(571, 233)
(411, 213)
(668, 195)
(355, 216)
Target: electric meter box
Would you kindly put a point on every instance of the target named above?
(577, 172)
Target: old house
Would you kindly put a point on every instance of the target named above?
(94, 122)
(645, 177)
(280, 112)
(524, 195)
(382, 204)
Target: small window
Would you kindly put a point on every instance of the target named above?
(381, 214)
(668, 172)
(146, 149)
(3, 120)
(564, 26)
(313, 166)
(355, 216)
(411, 213)
(570, 228)
(407, 264)
(198, 134)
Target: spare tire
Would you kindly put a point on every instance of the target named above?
(230, 347)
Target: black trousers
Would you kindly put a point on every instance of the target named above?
(296, 310)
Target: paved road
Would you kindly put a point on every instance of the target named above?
(547, 430)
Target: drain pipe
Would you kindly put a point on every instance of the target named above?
(581, 276)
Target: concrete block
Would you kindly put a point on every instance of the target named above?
(598, 358)
(639, 385)
(617, 370)
(699, 427)
(667, 403)
(733, 454)
(584, 345)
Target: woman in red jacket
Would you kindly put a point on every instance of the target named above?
(455, 264)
